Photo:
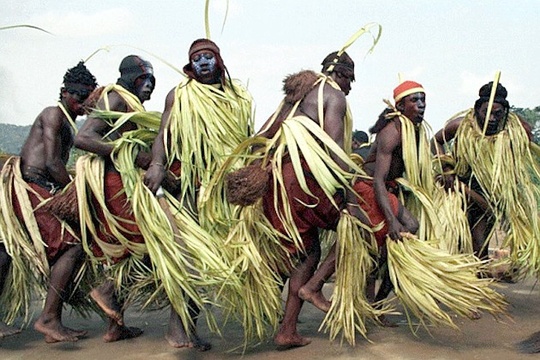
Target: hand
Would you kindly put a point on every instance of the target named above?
(395, 229)
(143, 159)
(154, 176)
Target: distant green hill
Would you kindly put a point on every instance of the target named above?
(12, 137)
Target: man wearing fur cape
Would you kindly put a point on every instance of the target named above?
(304, 148)
(35, 245)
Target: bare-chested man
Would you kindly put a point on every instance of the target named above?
(43, 160)
(314, 211)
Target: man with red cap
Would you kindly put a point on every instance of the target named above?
(205, 117)
(385, 164)
(378, 199)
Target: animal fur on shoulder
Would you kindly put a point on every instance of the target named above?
(297, 86)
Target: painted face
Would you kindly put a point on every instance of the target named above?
(204, 64)
(498, 114)
(413, 107)
(144, 86)
(74, 102)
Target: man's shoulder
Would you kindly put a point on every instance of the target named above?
(391, 132)
(50, 114)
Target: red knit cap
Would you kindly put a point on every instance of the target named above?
(203, 44)
(407, 88)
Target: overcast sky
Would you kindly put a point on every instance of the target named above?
(452, 47)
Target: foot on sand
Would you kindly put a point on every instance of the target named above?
(316, 298)
(475, 315)
(289, 342)
(107, 303)
(183, 341)
(387, 323)
(54, 331)
(122, 333)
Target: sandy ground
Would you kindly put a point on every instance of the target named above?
(486, 338)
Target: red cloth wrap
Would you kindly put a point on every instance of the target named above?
(308, 219)
(118, 205)
(57, 239)
(365, 189)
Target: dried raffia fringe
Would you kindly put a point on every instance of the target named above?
(427, 280)
(64, 204)
(246, 185)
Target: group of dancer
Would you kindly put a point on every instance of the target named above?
(192, 207)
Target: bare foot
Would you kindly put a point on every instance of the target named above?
(531, 345)
(316, 298)
(387, 323)
(54, 331)
(183, 341)
(122, 332)
(107, 302)
(284, 342)
(6, 331)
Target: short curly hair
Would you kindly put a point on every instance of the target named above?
(79, 75)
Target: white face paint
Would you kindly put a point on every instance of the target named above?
(204, 63)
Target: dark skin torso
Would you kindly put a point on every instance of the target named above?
(48, 145)
(389, 163)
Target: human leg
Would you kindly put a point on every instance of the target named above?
(287, 336)
(178, 337)
(106, 298)
(479, 231)
(312, 290)
(49, 322)
(382, 293)
(5, 261)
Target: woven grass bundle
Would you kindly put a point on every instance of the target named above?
(246, 185)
